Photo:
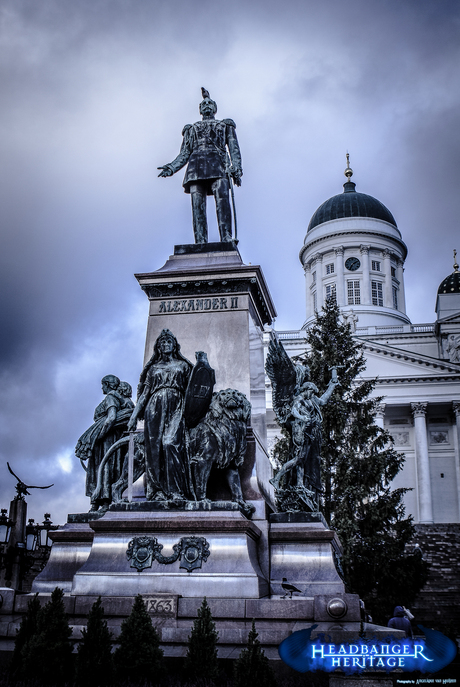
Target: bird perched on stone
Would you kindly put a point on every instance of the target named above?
(289, 588)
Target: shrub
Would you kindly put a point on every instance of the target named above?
(94, 664)
(201, 660)
(253, 667)
(138, 657)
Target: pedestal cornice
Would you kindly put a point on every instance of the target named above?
(191, 275)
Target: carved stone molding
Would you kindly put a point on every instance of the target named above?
(456, 409)
(386, 253)
(419, 409)
(364, 250)
(339, 250)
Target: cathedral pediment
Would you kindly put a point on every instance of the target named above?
(450, 319)
(389, 362)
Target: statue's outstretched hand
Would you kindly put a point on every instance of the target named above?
(166, 171)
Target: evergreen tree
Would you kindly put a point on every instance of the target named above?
(201, 659)
(358, 465)
(47, 655)
(27, 630)
(253, 667)
(138, 657)
(94, 664)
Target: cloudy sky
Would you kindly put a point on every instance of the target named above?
(94, 95)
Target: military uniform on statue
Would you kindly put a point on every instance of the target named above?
(211, 169)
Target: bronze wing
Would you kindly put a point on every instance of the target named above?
(282, 374)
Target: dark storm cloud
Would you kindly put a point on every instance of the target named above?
(94, 98)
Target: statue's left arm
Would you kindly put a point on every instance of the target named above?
(236, 169)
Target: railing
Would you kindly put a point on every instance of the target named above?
(390, 329)
(370, 331)
(291, 335)
(396, 329)
(422, 327)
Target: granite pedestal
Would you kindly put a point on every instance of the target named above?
(304, 551)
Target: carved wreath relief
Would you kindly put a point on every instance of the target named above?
(191, 551)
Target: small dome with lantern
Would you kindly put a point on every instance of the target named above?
(451, 284)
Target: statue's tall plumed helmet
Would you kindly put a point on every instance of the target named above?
(206, 96)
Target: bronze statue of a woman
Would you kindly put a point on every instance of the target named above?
(161, 401)
(110, 419)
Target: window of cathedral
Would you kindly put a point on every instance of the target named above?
(330, 268)
(376, 265)
(354, 293)
(313, 277)
(377, 293)
(315, 302)
(395, 298)
(331, 292)
(393, 271)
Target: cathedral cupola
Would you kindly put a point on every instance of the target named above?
(353, 252)
(448, 297)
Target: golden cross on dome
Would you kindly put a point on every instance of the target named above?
(348, 172)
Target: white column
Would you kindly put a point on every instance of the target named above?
(423, 463)
(388, 295)
(400, 278)
(366, 290)
(308, 296)
(380, 415)
(456, 409)
(340, 278)
(319, 281)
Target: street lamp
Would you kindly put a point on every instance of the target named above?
(32, 533)
(45, 529)
(5, 527)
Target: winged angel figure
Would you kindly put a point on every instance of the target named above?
(297, 406)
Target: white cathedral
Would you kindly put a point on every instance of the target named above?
(353, 252)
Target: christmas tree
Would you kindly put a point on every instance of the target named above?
(94, 664)
(201, 659)
(138, 657)
(253, 667)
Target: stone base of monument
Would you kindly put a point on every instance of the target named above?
(173, 617)
(137, 550)
(305, 553)
(174, 561)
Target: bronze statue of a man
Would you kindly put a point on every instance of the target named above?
(214, 162)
